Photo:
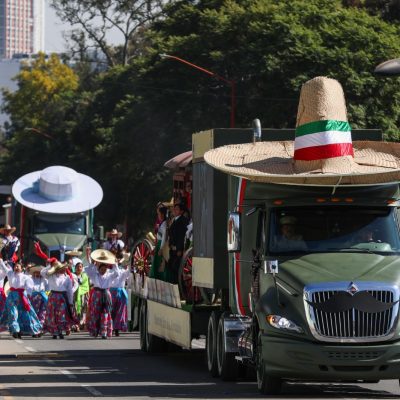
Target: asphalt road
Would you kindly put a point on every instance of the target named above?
(80, 367)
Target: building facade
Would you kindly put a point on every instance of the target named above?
(21, 27)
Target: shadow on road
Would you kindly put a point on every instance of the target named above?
(131, 373)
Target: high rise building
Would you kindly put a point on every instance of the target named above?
(21, 27)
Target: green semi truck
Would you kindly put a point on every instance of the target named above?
(322, 306)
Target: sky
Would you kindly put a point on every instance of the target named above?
(54, 28)
(53, 40)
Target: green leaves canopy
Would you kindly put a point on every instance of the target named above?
(123, 128)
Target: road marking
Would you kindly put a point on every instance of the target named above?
(92, 390)
(19, 341)
(68, 373)
(31, 349)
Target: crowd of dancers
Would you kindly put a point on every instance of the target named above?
(62, 297)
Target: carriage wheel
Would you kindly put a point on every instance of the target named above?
(188, 292)
(142, 255)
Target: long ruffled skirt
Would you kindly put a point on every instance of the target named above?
(58, 317)
(39, 302)
(2, 302)
(18, 319)
(119, 312)
(99, 321)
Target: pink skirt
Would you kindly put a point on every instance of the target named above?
(98, 320)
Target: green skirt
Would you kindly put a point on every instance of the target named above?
(155, 265)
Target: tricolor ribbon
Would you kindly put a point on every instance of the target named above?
(320, 140)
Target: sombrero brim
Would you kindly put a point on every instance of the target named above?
(119, 234)
(90, 195)
(37, 268)
(103, 256)
(272, 162)
(11, 230)
(73, 253)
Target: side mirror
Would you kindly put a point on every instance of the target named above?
(234, 238)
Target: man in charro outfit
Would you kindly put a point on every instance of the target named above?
(177, 231)
(114, 242)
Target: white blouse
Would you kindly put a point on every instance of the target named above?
(162, 233)
(102, 281)
(40, 284)
(59, 283)
(119, 281)
(3, 274)
(17, 280)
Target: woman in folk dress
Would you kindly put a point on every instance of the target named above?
(3, 297)
(101, 275)
(59, 312)
(38, 296)
(19, 315)
(157, 269)
(81, 296)
(119, 296)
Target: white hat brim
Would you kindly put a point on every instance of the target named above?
(89, 196)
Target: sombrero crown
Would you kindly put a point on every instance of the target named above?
(322, 152)
(322, 130)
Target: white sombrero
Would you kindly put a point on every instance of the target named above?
(58, 190)
(321, 154)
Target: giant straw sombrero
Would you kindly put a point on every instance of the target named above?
(321, 154)
(58, 190)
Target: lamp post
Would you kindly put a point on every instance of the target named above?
(388, 68)
(39, 132)
(231, 83)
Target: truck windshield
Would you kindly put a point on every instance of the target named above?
(339, 228)
(74, 224)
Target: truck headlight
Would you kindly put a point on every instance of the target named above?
(279, 322)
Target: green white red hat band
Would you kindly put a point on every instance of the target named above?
(320, 140)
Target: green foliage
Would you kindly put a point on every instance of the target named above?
(121, 126)
(40, 116)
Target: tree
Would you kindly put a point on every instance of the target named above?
(270, 48)
(39, 113)
(95, 19)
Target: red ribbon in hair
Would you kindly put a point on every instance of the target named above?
(24, 300)
(2, 294)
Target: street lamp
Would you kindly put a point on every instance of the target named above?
(39, 132)
(388, 68)
(231, 83)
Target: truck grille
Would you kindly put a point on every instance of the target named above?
(347, 323)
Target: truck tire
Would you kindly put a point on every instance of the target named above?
(211, 344)
(148, 342)
(143, 326)
(228, 367)
(266, 384)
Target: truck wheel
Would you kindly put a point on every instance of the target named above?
(211, 344)
(143, 326)
(266, 384)
(148, 342)
(228, 367)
